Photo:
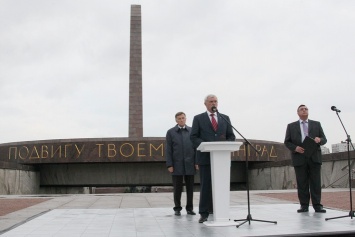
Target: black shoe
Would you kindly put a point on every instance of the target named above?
(177, 213)
(202, 219)
(320, 210)
(302, 209)
(191, 212)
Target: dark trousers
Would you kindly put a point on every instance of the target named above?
(206, 204)
(308, 178)
(178, 184)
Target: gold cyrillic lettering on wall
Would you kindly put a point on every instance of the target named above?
(258, 147)
(273, 152)
(268, 151)
(59, 150)
(242, 148)
(161, 147)
(117, 150)
(140, 149)
(20, 152)
(15, 152)
(132, 149)
(99, 145)
(78, 150)
(111, 150)
(34, 153)
(65, 149)
(44, 152)
(264, 150)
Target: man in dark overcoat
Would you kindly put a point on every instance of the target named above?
(180, 161)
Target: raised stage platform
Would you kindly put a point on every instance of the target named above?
(115, 215)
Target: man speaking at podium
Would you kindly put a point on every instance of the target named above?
(208, 127)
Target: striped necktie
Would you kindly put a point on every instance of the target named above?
(214, 122)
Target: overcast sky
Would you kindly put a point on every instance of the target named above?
(64, 65)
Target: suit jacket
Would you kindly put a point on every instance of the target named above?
(202, 131)
(293, 139)
(179, 152)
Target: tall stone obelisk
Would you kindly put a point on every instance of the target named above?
(135, 74)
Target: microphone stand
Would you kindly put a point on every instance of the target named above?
(246, 144)
(348, 141)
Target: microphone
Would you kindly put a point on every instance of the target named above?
(214, 109)
(335, 109)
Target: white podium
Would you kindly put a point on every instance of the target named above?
(220, 170)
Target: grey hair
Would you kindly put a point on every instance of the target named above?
(210, 96)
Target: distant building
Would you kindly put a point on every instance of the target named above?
(325, 150)
(340, 147)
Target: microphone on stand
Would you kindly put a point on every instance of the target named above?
(214, 109)
(332, 108)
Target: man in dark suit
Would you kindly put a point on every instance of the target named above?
(180, 161)
(208, 127)
(307, 167)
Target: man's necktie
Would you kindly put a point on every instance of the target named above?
(305, 128)
(214, 122)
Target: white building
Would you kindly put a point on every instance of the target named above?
(325, 150)
(341, 147)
